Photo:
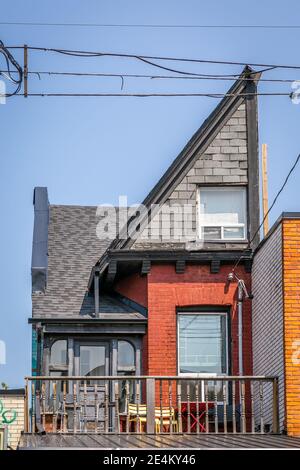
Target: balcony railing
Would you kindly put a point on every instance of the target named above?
(139, 404)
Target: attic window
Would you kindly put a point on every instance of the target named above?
(222, 213)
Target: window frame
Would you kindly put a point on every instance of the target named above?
(126, 368)
(224, 314)
(220, 188)
(54, 366)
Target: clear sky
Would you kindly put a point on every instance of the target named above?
(90, 150)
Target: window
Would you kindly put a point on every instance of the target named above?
(59, 353)
(202, 344)
(92, 360)
(126, 366)
(126, 353)
(222, 213)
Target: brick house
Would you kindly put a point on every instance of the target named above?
(149, 290)
(275, 315)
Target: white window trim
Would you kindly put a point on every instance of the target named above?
(203, 375)
(222, 239)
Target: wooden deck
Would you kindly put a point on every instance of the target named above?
(156, 442)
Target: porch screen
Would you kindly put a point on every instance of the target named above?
(202, 343)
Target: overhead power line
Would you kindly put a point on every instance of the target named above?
(230, 77)
(153, 25)
(8, 74)
(151, 76)
(146, 95)
(145, 58)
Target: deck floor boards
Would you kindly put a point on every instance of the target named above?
(157, 441)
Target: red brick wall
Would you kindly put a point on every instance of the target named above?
(197, 286)
(163, 291)
(135, 288)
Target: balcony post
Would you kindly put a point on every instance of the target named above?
(26, 407)
(150, 400)
(275, 406)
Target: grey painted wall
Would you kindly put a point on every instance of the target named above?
(267, 316)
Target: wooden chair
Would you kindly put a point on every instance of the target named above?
(138, 414)
(163, 419)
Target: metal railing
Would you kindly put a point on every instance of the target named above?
(139, 404)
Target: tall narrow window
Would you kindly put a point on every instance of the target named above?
(202, 343)
(126, 366)
(222, 213)
(126, 356)
(59, 352)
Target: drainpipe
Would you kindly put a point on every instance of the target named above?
(242, 292)
(240, 326)
(96, 294)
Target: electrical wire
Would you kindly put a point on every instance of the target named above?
(269, 210)
(9, 59)
(144, 25)
(151, 76)
(147, 95)
(81, 53)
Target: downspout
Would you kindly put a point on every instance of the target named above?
(96, 294)
(242, 293)
(240, 326)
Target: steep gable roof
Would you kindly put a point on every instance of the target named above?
(242, 91)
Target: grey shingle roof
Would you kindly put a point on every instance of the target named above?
(73, 249)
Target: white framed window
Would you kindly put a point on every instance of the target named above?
(202, 349)
(222, 213)
(202, 343)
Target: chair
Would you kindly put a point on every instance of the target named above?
(138, 414)
(163, 418)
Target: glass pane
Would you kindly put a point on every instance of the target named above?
(202, 343)
(59, 352)
(222, 206)
(122, 391)
(125, 354)
(234, 232)
(211, 233)
(92, 360)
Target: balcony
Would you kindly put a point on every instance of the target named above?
(151, 405)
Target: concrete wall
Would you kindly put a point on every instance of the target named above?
(12, 409)
(267, 319)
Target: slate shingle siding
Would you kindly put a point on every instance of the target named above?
(73, 249)
(224, 162)
(267, 318)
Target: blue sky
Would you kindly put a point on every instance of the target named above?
(90, 150)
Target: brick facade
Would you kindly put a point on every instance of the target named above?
(291, 297)
(13, 406)
(166, 291)
(276, 315)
